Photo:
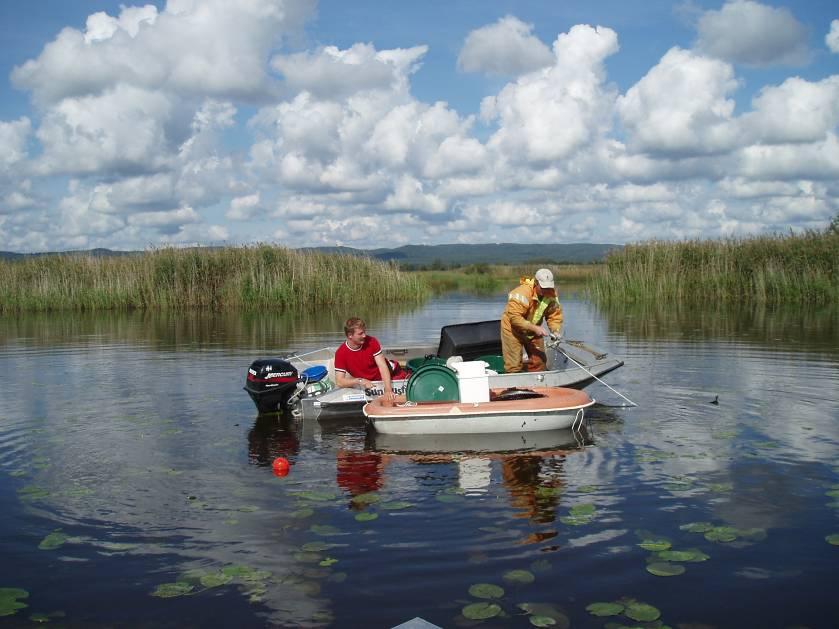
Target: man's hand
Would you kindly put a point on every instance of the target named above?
(538, 331)
(556, 336)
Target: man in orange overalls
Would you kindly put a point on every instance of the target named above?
(521, 324)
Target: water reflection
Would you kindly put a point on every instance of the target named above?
(130, 434)
(529, 466)
(262, 331)
(792, 328)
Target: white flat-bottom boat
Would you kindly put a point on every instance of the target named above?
(508, 410)
(280, 384)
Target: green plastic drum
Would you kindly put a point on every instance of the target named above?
(433, 383)
(415, 363)
(495, 362)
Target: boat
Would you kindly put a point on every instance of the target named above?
(513, 410)
(489, 445)
(309, 393)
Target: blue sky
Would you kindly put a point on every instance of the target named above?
(373, 124)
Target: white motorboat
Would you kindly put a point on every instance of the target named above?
(506, 411)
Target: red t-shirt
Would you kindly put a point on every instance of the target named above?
(361, 362)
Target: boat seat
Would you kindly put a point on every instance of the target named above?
(470, 340)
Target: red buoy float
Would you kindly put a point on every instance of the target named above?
(280, 466)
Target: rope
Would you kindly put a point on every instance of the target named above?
(559, 349)
(306, 362)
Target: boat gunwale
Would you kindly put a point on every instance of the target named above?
(550, 402)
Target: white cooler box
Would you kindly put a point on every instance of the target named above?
(472, 380)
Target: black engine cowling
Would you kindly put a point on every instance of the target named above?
(270, 383)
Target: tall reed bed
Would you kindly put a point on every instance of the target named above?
(801, 268)
(490, 278)
(234, 277)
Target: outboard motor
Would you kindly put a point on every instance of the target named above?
(271, 382)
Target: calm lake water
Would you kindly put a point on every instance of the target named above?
(136, 486)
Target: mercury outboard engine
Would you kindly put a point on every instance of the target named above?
(271, 382)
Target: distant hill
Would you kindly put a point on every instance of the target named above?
(428, 255)
(491, 253)
(96, 253)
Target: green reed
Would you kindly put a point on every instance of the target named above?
(233, 277)
(802, 268)
(490, 278)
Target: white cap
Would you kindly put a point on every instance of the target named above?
(545, 278)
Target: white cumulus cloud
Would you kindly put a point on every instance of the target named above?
(681, 107)
(332, 73)
(751, 33)
(832, 37)
(548, 114)
(507, 47)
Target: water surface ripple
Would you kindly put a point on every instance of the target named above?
(137, 486)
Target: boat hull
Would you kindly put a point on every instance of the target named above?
(557, 408)
(344, 403)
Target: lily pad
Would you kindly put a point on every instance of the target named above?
(215, 579)
(697, 527)
(366, 516)
(53, 540)
(396, 505)
(583, 509)
(576, 520)
(542, 621)
(9, 603)
(325, 529)
(328, 561)
(642, 612)
(698, 555)
(655, 545)
(605, 609)
(366, 499)
(519, 576)
(546, 610)
(171, 590)
(481, 611)
(32, 492)
(675, 555)
(664, 569)
(721, 487)
(486, 590)
(721, 534)
(246, 573)
(305, 512)
(833, 539)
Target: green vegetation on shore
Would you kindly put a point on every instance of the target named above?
(800, 268)
(234, 277)
(490, 278)
(795, 268)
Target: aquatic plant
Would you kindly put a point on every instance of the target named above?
(798, 268)
(247, 278)
(9, 603)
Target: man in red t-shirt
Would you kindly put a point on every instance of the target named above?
(360, 361)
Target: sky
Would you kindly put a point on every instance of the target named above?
(380, 124)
